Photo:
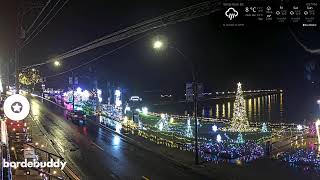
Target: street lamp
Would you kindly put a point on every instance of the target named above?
(57, 63)
(159, 45)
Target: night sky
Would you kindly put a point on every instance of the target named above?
(258, 56)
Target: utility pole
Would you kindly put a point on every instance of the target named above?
(16, 68)
(20, 36)
(195, 109)
(97, 96)
(72, 91)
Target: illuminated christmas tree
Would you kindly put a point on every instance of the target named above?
(163, 124)
(264, 128)
(239, 122)
(188, 132)
(240, 139)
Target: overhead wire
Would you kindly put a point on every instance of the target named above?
(54, 15)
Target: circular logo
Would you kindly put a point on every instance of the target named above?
(16, 107)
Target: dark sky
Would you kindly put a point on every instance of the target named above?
(258, 56)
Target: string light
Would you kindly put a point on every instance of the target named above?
(239, 122)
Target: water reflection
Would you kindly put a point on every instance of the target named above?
(266, 108)
(116, 140)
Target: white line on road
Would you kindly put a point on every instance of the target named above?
(97, 146)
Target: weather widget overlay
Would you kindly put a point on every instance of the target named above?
(250, 13)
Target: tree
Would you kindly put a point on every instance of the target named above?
(188, 132)
(264, 128)
(163, 124)
(239, 122)
(29, 77)
(240, 139)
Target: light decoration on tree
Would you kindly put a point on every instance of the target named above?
(99, 92)
(80, 97)
(264, 128)
(239, 122)
(29, 77)
(163, 124)
(318, 130)
(188, 131)
(210, 149)
(219, 138)
(240, 139)
(214, 128)
(85, 95)
(145, 111)
(127, 108)
(302, 158)
(299, 127)
(117, 99)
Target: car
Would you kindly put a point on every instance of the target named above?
(78, 117)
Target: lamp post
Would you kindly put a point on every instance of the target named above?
(159, 45)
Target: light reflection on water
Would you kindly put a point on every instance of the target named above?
(264, 108)
(268, 108)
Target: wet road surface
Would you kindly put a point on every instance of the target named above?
(97, 154)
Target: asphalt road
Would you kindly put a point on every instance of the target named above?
(97, 154)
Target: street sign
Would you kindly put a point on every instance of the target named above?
(16, 107)
(189, 92)
(200, 90)
(76, 81)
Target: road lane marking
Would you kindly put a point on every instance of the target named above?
(97, 146)
(145, 178)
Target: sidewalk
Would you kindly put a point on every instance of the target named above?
(39, 140)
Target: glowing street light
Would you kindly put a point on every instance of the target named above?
(160, 43)
(57, 63)
(157, 44)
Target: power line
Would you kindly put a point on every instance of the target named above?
(36, 19)
(185, 14)
(188, 13)
(54, 15)
(42, 21)
(98, 57)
